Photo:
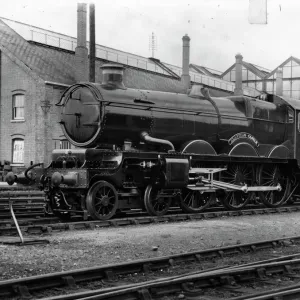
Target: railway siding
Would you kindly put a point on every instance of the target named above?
(48, 225)
(73, 249)
(23, 287)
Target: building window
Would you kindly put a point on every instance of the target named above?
(18, 107)
(64, 144)
(18, 151)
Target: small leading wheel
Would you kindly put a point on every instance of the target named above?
(156, 203)
(271, 175)
(102, 200)
(237, 174)
(194, 201)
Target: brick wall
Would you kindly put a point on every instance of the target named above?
(14, 79)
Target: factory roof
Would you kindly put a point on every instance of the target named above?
(51, 56)
(58, 65)
(257, 70)
(292, 59)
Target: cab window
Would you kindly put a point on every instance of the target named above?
(290, 115)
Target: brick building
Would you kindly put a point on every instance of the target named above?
(33, 75)
(37, 65)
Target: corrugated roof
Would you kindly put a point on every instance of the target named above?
(165, 67)
(52, 64)
(253, 68)
(262, 69)
(62, 41)
(297, 60)
(39, 60)
(52, 60)
(291, 58)
(205, 70)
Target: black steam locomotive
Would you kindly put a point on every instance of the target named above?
(149, 149)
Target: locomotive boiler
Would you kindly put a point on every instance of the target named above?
(95, 115)
(148, 149)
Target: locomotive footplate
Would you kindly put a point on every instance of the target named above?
(211, 185)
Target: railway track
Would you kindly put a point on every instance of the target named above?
(26, 202)
(230, 279)
(286, 293)
(194, 285)
(42, 225)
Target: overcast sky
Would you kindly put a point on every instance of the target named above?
(218, 28)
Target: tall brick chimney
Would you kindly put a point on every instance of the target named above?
(92, 43)
(185, 77)
(81, 51)
(238, 91)
(279, 82)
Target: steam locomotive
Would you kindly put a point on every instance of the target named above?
(151, 149)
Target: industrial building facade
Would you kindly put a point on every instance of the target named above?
(33, 78)
(265, 80)
(37, 65)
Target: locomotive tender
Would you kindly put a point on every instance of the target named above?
(149, 149)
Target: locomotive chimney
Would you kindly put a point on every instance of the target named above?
(185, 77)
(279, 83)
(238, 91)
(113, 76)
(81, 51)
(92, 42)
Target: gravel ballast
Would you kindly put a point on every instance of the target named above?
(86, 248)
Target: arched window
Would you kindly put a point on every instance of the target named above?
(18, 151)
(18, 101)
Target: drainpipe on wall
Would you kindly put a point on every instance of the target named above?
(279, 82)
(185, 77)
(81, 51)
(238, 91)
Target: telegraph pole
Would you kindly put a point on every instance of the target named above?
(152, 43)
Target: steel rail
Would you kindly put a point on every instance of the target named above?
(284, 295)
(24, 286)
(40, 228)
(290, 292)
(25, 202)
(192, 284)
(29, 221)
(25, 221)
(80, 295)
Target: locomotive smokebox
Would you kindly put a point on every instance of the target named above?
(113, 76)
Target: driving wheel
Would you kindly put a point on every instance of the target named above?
(195, 201)
(156, 202)
(102, 200)
(271, 175)
(237, 174)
